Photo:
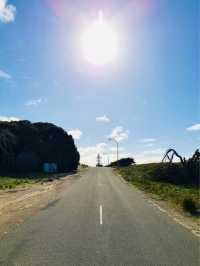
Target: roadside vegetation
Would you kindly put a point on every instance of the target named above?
(122, 162)
(166, 182)
(22, 180)
(82, 165)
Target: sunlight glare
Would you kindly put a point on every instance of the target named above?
(99, 42)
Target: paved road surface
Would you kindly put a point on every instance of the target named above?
(100, 220)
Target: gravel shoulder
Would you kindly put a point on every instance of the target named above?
(17, 205)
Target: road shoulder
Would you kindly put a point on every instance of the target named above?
(20, 204)
(184, 219)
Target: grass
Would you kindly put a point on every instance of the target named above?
(182, 196)
(83, 166)
(13, 181)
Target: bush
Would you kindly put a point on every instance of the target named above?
(27, 146)
(189, 205)
(124, 162)
(161, 172)
(84, 165)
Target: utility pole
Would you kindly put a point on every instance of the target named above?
(117, 149)
(117, 143)
(98, 160)
(108, 160)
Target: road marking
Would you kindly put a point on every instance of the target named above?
(101, 215)
(157, 206)
(175, 218)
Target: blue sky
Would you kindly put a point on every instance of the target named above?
(149, 97)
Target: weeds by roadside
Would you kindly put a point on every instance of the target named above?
(13, 181)
(182, 196)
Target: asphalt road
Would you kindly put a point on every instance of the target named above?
(100, 220)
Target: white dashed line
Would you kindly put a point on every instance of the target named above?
(101, 215)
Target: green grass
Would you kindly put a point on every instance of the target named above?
(182, 196)
(13, 181)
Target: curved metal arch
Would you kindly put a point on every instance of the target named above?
(169, 155)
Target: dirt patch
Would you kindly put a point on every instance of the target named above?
(19, 204)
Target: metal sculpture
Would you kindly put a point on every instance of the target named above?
(170, 154)
(191, 165)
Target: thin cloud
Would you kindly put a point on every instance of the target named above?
(76, 133)
(150, 156)
(8, 118)
(3, 74)
(35, 102)
(148, 140)
(7, 12)
(119, 133)
(195, 127)
(150, 144)
(103, 119)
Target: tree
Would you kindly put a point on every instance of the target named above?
(123, 162)
(49, 143)
(7, 146)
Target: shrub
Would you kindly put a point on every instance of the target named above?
(189, 205)
(27, 146)
(124, 162)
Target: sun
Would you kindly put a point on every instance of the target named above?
(99, 42)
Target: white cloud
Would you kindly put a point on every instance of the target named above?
(8, 118)
(36, 102)
(194, 127)
(89, 154)
(4, 75)
(103, 119)
(148, 140)
(7, 12)
(119, 133)
(76, 133)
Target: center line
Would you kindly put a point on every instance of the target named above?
(101, 215)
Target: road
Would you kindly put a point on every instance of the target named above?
(100, 220)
